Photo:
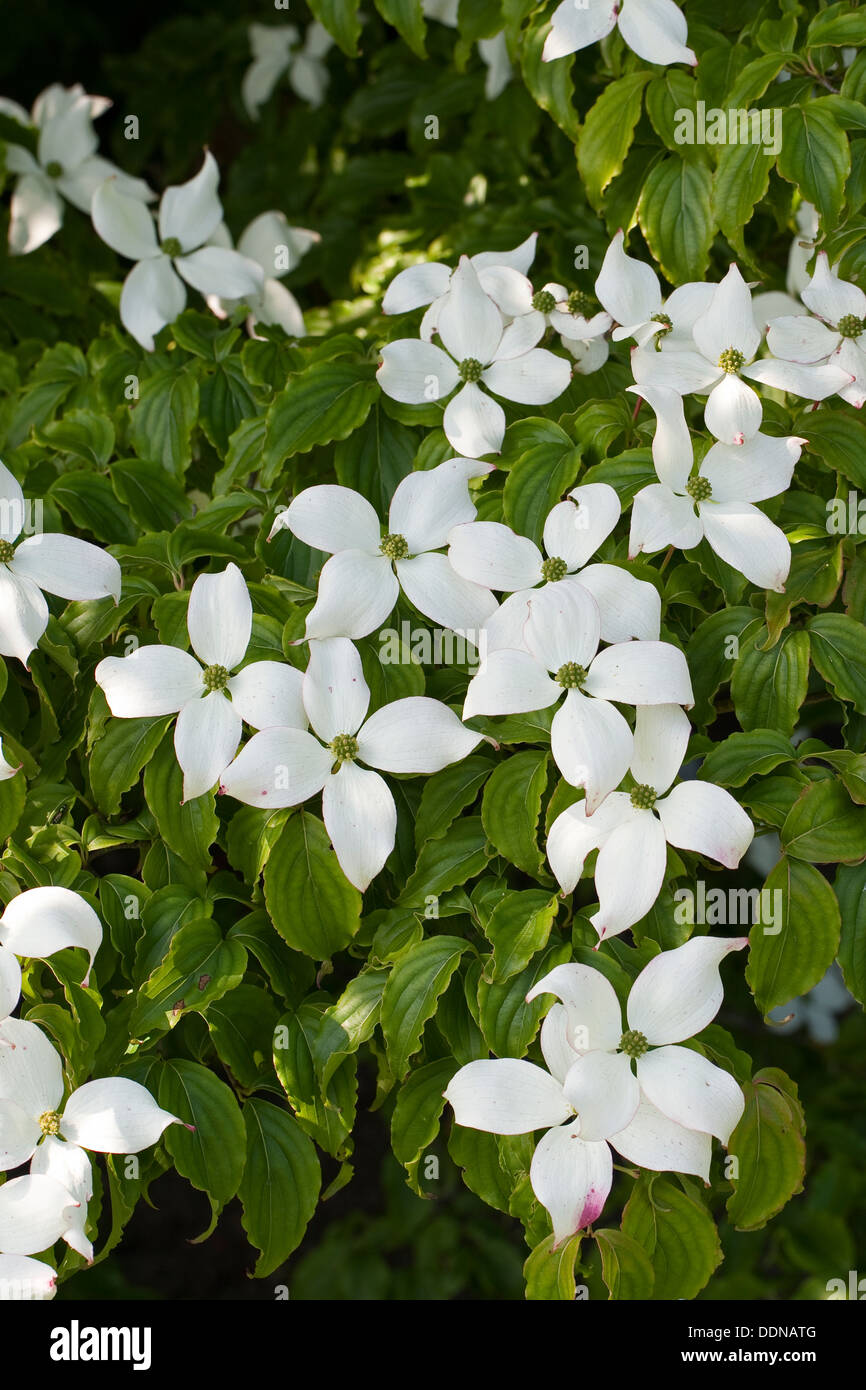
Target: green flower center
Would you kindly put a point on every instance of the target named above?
(470, 369)
(543, 301)
(699, 489)
(54, 170)
(571, 676)
(633, 1043)
(171, 246)
(731, 360)
(666, 327)
(49, 1122)
(554, 569)
(850, 326)
(580, 303)
(7, 551)
(344, 748)
(643, 798)
(215, 678)
(394, 546)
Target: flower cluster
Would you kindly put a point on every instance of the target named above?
(44, 1123)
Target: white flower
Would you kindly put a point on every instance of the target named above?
(480, 349)
(589, 353)
(62, 565)
(837, 337)
(40, 921)
(66, 166)
(113, 1115)
(816, 1009)
(285, 766)
(501, 274)
(591, 742)
(35, 1211)
(271, 243)
(726, 339)
(492, 555)
(629, 290)
(153, 292)
(26, 1280)
(571, 315)
(655, 30)
(274, 53)
(631, 830)
(6, 769)
(210, 702)
(717, 503)
(358, 586)
(802, 248)
(660, 1115)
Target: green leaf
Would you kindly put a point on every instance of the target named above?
(446, 794)
(839, 26)
(446, 862)
(153, 497)
(242, 1027)
(790, 956)
(161, 423)
(836, 439)
(770, 1150)
(118, 757)
(838, 645)
(281, 1183)
(549, 84)
(408, 19)
(815, 157)
(537, 480)
(740, 182)
(342, 20)
(377, 456)
(409, 999)
(850, 885)
(189, 828)
(625, 1266)
(511, 806)
(81, 433)
(200, 967)
(211, 1155)
(518, 926)
(13, 794)
(741, 756)
(678, 1235)
(325, 403)
(676, 217)
(608, 131)
(415, 1121)
(312, 904)
(549, 1270)
(711, 653)
(825, 827)
(768, 687)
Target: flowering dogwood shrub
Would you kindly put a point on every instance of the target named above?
(432, 647)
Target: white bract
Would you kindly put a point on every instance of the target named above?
(802, 248)
(591, 741)
(501, 274)
(209, 701)
(653, 29)
(24, 1280)
(66, 166)
(631, 830)
(630, 292)
(726, 339)
(481, 350)
(112, 1115)
(154, 292)
(271, 243)
(359, 584)
(657, 1104)
(35, 1211)
(285, 766)
(573, 316)
(717, 502)
(275, 51)
(491, 554)
(40, 921)
(837, 337)
(61, 565)
(6, 769)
